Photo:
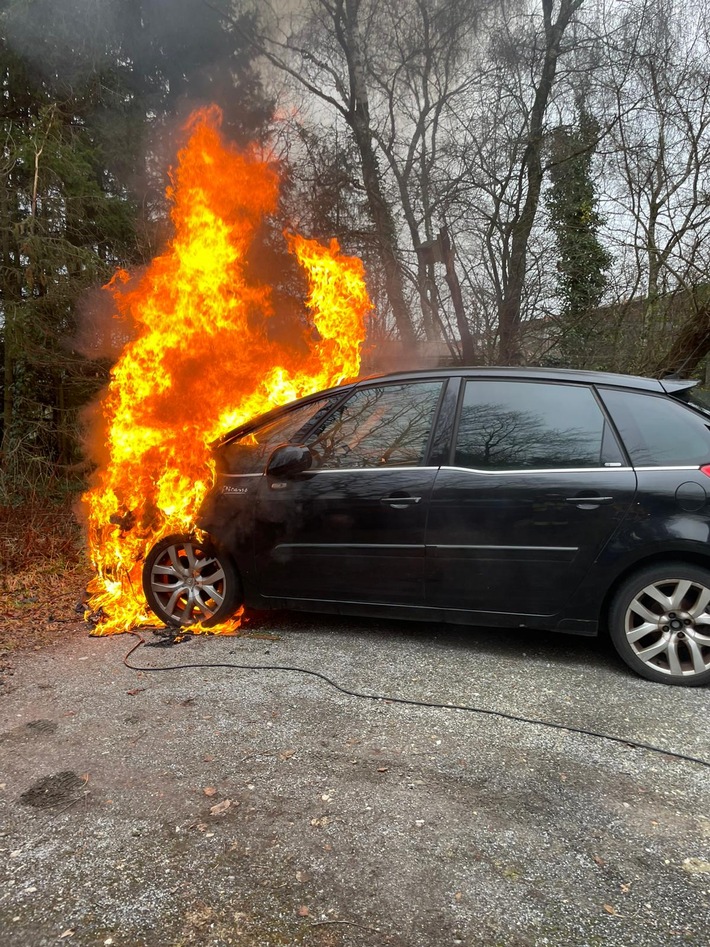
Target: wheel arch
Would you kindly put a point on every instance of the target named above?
(686, 556)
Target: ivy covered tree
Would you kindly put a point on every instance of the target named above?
(582, 260)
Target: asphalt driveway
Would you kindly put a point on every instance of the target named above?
(221, 806)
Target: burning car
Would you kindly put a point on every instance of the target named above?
(574, 501)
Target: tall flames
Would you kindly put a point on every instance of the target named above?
(202, 359)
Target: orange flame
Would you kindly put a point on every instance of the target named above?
(202, 361)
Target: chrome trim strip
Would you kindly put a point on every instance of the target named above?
(517, 470)
(350, 546)
(526, 548)
(548, 470)
(476, 470)
(339, 470)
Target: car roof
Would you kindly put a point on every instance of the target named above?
(669, 384)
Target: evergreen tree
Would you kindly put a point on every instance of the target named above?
(91, 92)
(65, 222)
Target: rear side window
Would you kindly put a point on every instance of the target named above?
(517, 425)
(657, 431)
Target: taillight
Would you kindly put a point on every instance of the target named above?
(706, 470)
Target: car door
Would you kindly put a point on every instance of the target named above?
(669, 446)
(352, 527)
(536, 486)
(228, 512)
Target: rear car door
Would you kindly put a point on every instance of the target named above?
(352, 527)
(669, 446)
(536, 485)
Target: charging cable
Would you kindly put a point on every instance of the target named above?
(410, 702)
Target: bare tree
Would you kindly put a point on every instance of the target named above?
(658, 178)
(531, 178)
(495, 153)
(322, 47)
(452, 107)
(419, 71)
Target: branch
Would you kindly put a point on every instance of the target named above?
(259, 41)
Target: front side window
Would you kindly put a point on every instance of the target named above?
(379, 426)
(506, 425)
(657, 431)
(249, 453)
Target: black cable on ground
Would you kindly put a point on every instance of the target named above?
(634, 744)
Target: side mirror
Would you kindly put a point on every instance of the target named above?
(288, 460)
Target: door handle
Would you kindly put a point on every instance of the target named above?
(401, 502)
(589, 501)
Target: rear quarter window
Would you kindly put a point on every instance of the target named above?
(658, 431)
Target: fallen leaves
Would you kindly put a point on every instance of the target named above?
(41, 601)
(303, 911)
(696, 866)
(209, 790)
(221, 807)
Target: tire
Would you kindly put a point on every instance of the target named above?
(660, 625)
(189, 582)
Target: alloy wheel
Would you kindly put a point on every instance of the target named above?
(667, 626)
(188, 583)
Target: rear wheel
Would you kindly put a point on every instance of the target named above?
(188, 582)
(660, 625)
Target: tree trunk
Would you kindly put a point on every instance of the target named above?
(385, 232)
(691, 346)
(468, 349)
(532, 172)
(10, 293)
(359, 120)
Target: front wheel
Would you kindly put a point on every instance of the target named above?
(189, 582)
(660, 625)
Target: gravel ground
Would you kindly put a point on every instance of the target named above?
(221, 806)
